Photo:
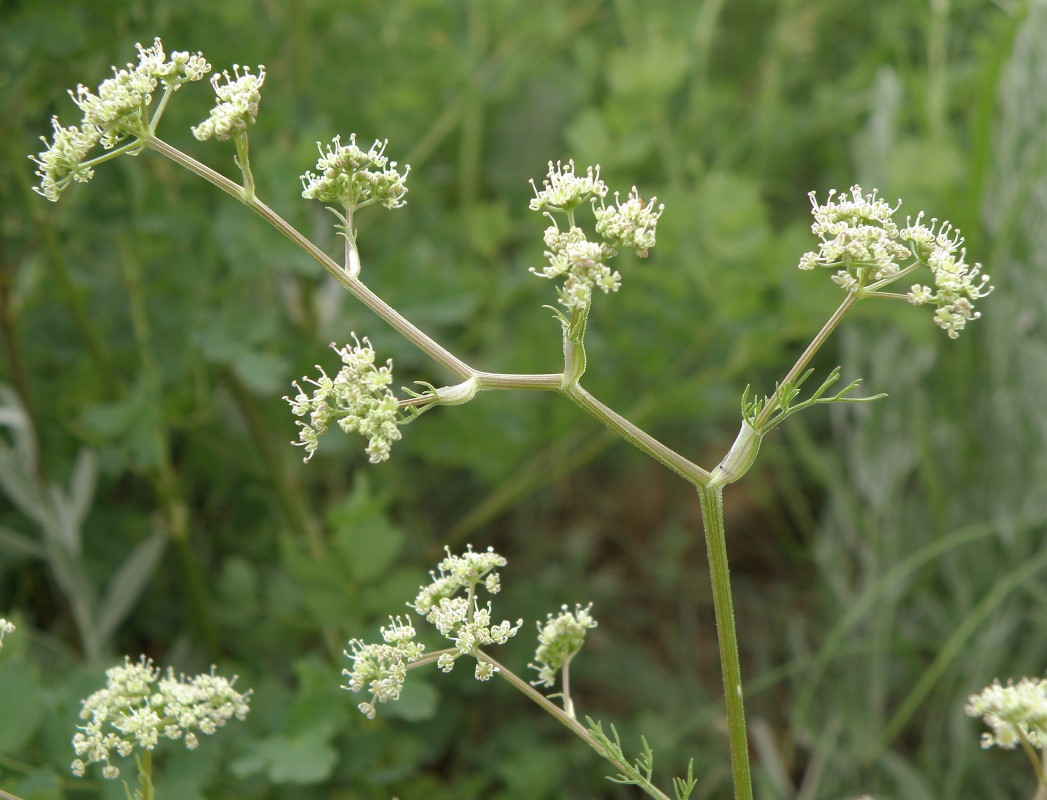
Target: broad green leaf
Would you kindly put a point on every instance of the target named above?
(21, 705)
(303, 759)
(367, 540)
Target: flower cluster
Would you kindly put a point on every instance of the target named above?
(1014, 712)
(381, 668)
(867, 249)
(462, 619)
(858, 234)
(460, 573)
(582, 261)
(354, 178)
(5, 627)
(563, 190)
(958, 285)
(119, 110)
(358, 398)
(630, 224)
(559, 640)
(237, 106)
(138, 706)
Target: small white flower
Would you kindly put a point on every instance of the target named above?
(485, 670)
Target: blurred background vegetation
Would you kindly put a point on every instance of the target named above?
(887, 559)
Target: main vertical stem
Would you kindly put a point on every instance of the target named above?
(727, 636)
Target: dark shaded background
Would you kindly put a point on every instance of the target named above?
(887, 559)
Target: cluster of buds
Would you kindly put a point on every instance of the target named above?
(117, 111)
(358, 398)
(237, 106)
(354, 178)
(625, 225)
(559, 640)
(867, 249)
(1015, 713)
(137, 707)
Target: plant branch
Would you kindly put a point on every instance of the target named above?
(683, 467)
(805, 357)
(571, 723)
(387, 313)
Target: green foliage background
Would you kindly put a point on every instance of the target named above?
(887, 559)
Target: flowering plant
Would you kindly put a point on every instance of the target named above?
(860, 243)
(140, 705)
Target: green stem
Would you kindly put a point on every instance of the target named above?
(145, 775)
(243, 161)
(727, 636)
(683, 467)
(805, 357)
(1034, 757)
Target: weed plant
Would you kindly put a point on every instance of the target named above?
(885, 565)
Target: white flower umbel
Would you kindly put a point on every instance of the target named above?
(237, 107)
(358, 398)
(1015, 713)
(563, 190)
(5, 627)
(64, 159)
(630, 225)
(138, 707)
(119, 110)
(582, 263)
(957, 285)
(380, 669)
(868, 252)
(559, 640)
(463, 620)
(353, 178)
